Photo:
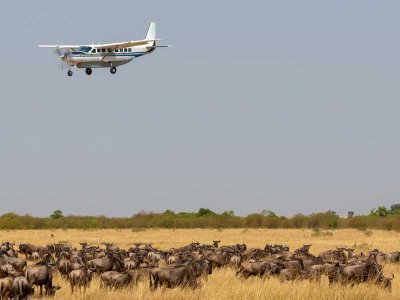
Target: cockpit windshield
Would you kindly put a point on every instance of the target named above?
(82, 49)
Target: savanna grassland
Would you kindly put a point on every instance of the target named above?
(223, 284)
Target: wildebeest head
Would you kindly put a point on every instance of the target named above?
(8, 269)
(51, 291)
(48, 259)
(51, 248)
(386, 282)
(23, 248)
(215, 243)
(91, 271)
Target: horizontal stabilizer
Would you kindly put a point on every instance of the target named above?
(160, 46)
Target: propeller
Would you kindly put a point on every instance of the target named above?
(63, 55)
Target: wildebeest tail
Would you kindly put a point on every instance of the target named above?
(152, 280)
(19, 288)
(239, 271)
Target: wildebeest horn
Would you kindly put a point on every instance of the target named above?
(392, 276)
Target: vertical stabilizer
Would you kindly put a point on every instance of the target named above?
(151, 33)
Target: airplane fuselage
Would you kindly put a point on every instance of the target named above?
(92, 57)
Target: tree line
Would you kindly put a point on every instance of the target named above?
(379, 218)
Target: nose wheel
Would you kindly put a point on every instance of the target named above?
(70, 73)
(88, 71)
(113, 70)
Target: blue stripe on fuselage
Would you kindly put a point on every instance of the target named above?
(108, 55)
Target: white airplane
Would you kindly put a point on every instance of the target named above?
(106, 55)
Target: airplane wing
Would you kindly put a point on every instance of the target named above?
(104, 46)
(60, 46)
(125, 44)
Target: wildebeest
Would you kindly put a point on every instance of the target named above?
(333, 256)
(5, 287)
(116, 279)
(64, 266)
(8, 248)
(110, 247)
(257, 269)
(218, 259)
(370, 271)
(184, 276)
(80, 278)
(18, 263)
(235, 261)
(130, 263)
(107, 263)
(21, 288)
(28, 249)
(293, 264)
(311, 261)
(292, 274)
(41, 275)
(322, 269)
(393, 257)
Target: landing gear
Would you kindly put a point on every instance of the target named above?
(113, 70)
(88, 71)
(70, 73)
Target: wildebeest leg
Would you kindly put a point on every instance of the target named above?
(151, 282)
(41, 290)
(238, 272)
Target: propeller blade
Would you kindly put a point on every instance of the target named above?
(62, 55)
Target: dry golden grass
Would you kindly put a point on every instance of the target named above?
(222, 284)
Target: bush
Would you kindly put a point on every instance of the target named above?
(206, 218)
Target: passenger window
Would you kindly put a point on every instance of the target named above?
(116, 50)
(125, 50)
(129, 49)
(103, 50)
(98, 50)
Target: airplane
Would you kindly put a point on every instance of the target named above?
(106, 55)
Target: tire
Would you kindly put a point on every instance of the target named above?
(70, 73)
(113, 70)
(88, 71)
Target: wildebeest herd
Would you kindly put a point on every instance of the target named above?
(31, 266)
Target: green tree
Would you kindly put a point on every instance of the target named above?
(332, 218)
(205, 212)
(56, 214)
(381, 211)
(268, 213)
(230, 213)
(395, 209)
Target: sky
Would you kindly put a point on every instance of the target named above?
(291, 106)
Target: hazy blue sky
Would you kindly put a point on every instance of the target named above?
(291, 106)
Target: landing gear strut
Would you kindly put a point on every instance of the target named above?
(88, 71)
(113, 70)
(70, 73)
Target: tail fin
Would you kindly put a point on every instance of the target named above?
(151, 33)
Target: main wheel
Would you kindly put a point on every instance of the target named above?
(88, 71)
(70, 73)
(113, 70)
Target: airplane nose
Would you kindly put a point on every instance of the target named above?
(64, 57)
